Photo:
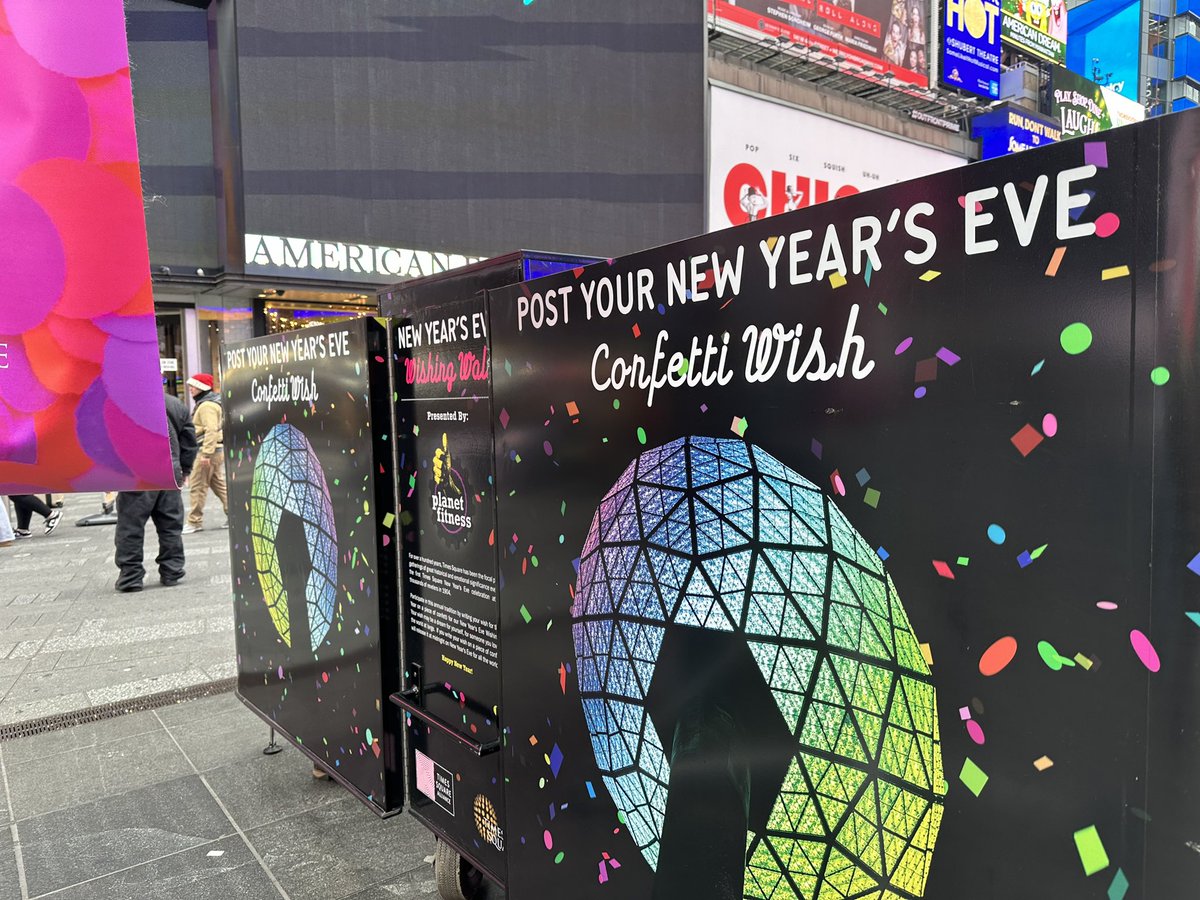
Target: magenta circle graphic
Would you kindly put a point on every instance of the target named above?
(28, 86)
(82, 40)
(29, 292)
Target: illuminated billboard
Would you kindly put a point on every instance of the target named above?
(971, 46)
(881, 37)
(1037, 27)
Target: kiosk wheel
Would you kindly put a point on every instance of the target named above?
(456, 878)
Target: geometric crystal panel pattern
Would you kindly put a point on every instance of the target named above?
(716, 533)
(288, 478)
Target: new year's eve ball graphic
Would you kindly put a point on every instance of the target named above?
(288, 478)
(716, 534)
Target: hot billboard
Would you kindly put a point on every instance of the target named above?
(1038, 27)
(766, 158)
(971, 46)
(880, 36)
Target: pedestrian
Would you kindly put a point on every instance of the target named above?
(28, 504)
(164, 507)
(6, 532)
(208, 420)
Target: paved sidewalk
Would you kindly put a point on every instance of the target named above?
(179, 802)
(69, 642)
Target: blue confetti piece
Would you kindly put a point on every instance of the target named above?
(556, 760)
(1195, 617)
(870, 272)
(1037, 368)
(883, 554)
(1194, 565)
(1119, 886)
(1024, 559)
(591, 790)
(863, 477)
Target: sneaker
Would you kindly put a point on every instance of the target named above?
(192, 529)
(22, 532)
(128, 589)
(52, 520)
(171, 582)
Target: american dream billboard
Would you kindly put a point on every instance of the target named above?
(881, 37)
(766, 158)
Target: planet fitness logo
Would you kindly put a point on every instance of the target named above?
(288, 478)
(450, 496)
(718, 535)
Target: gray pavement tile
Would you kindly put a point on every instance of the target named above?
(236, 736)
(193, 711)
(12, 711)
(268, 788)
(39, 746)
(92, 840)
(10, 881)
(221, 870)
(39, 786)
(94, 679)
(339, 849)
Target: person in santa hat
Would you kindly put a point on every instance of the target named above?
(208, 419)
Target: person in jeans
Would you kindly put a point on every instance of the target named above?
(28, 504)
(208, 420)
(164, 507)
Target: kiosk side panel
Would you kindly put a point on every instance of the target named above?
(451, 698)
(830, 533)
(310, 515)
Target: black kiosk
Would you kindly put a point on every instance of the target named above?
(850, 553)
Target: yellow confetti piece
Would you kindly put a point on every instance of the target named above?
(930, 275)
(1084, 662)
(837, 279)
(772, 241)
(927, 652)
(1043, 763)
(1115, 272)
(388, 520)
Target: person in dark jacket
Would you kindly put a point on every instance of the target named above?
(164, 507)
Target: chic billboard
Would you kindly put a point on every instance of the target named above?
(766, 158)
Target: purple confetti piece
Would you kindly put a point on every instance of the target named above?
(556, 760)
(949, 357)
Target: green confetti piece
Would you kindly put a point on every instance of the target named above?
(883, 309)
(416, 429)
(534, 560)
(1091, 850)
(507, 367)
(1050, 656)
(517, 458)
(1075, 338)
(641, 435)
(871, 498)
(964, 561)
(560, 857)
(616, 403)
(525, 614)
(562, 508)
(1160, 375)
(683, 367)
(973, 777)
(388, 520)
(1119, 886)
(1039, 551)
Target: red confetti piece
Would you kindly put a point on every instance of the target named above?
(996, 658)
(943, 569)
(1026, 440)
